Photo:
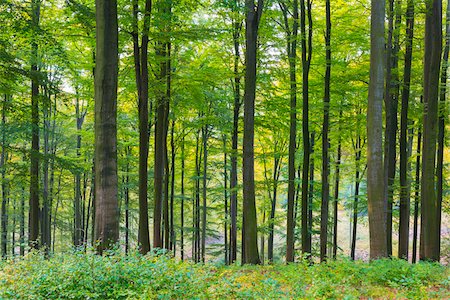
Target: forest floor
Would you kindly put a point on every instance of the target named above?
(88, 276)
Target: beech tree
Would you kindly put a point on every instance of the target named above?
(106, 76)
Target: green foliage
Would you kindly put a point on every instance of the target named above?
(89, 276)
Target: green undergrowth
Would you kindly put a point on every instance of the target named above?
(88, 276)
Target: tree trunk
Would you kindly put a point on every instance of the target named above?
(276, 175)
(429, 242)
(106, 73)
(377, 204)
(204, 180)
(225, 196)
(416, 198)
(78, 231)
(172, 186)
(127, 201)
(403, 231)
(336, 189)
(291, 46)
(325, 141)
(391, 104)
(182, 198)
(33, 223)
(141, 74)
(3, 160)
(250, 241)
(306, 61)
(358, 150)
(235, 136)
(443, 112)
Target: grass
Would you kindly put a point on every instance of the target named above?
(88, 276)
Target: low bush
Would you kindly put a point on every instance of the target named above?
(116, 276)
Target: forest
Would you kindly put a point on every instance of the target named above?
(224, 149)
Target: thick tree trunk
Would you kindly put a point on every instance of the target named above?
(377, 203)
(403, 231)
(429, 242)
(250, 241)
(325, 141)
(106, 73)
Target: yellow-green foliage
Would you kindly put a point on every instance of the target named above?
(88, 276)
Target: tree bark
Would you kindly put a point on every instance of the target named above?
(291, 45)
(3, 159)
(325, 140)
(141, 74)
(429, 242)
(377, 203)
(443, 112)
(33, 223)
(250, 241)
(336, 189)
(106, 73)
(306, 61)
(403, 236)
(416, 197)
(235, 136)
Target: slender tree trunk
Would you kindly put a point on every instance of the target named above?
(443, 112)
(311, 193)
(172, 186)
(356, 199)
(325, 141)
(336, 189)
(204, 179)
(3, 160)
(127, 201)
(403, 236)
(416, 197)
(78, 232)
(106, 73)
(276, 173)
(377, 204)
(13, 229)
(250, 241)
(306, 61)
(182, 198)
(235, 136)
(225, 196)
(22, 223)
(141, 72)
(429, 242)
(33, 223)
(291, 45)
(391, 104)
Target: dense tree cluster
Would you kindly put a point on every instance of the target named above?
(224, 129)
